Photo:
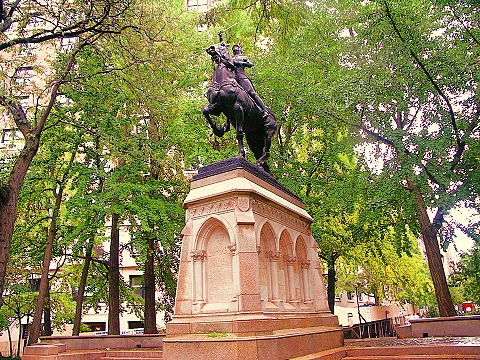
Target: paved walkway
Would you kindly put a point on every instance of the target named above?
(470, 341)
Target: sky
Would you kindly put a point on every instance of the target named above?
(462, 215)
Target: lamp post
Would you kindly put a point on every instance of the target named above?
(359, 315)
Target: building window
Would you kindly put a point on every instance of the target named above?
(23, 76)
(71, 17)
(25, 102)
(34, 285)
(96, 326)
(349, 296)
(64, 101)
(135, 325)
(136, 282)
(198, 5)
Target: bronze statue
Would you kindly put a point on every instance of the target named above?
(233, 94)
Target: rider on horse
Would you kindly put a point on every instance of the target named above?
(232, 93)
(241, 62)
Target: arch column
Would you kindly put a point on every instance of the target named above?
(198, 257)
(235, 265)
(290, 261)
(305, 264)
(273, 257)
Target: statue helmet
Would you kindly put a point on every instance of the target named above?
(237, 49)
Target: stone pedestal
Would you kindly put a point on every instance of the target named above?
(250, 284)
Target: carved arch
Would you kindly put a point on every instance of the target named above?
(207, 226)
(213, 265)
(303, 269)
(266, 247)
(286, 273)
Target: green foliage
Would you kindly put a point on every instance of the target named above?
(361, 92)
(305, 78)
(393, 74)
(128, 103)
(62, 307)
(466, 275)
(84, 328)
(19, 303)
(215, 335)
(409, 90)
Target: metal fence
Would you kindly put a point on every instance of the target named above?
(372, 329)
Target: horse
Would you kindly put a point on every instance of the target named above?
(226, 96)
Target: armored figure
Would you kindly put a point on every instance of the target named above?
(241, 62)
(232, 93)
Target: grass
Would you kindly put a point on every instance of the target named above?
(217, 335)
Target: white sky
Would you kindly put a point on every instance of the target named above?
(462, 215)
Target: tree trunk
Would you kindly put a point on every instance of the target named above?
(47, 320)
(114, 280)
(331, 259)
(150, 325)
(8, 203)
(81, 290)
(331, 285)
(434, 258)
(44, 283)
(9, 193)
(20, 335)
(10, 344)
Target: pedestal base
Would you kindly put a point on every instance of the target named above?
(251, 336)
(250, 282)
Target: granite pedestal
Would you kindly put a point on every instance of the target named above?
(250, 284)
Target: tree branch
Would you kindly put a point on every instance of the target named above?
(92, 23)
(460, 143)
(376, 136)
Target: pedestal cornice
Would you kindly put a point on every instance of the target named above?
(241, 177)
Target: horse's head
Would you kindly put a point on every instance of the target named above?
(219, 53)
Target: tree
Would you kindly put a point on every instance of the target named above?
(362, 221)
(315, 155)
(467, 274)
(87, 21)
(395, 73)
(57, 190)
(18, 304)
(403, 83)
(139, 151)
(389, 275)
(164, 95)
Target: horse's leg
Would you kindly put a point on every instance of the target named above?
(270, 126)
(239, 119)
(255, 141)
(207, 109)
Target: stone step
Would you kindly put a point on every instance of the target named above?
(433, 351)
(128, 358)
(332, 354)
(415, 357)
(69, 355)
(143, 354)
(48, 352)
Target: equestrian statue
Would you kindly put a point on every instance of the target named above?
(232, 93)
